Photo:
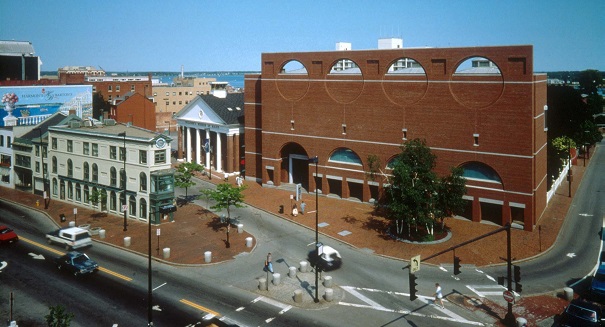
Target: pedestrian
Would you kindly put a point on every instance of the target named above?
(302, 207)
(439, 295)
(294, 210)
(268, 263)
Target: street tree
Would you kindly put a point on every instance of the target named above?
(415, 196)
(184, 175)
(97, 196)
(58, 317)
(225, 196)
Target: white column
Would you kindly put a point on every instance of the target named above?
(198, 147)
(219, 165)
(188, 144)
(208, 153)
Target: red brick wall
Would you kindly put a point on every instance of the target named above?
(137, 110)
(444, 109)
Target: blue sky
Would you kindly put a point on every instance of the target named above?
(152, 35)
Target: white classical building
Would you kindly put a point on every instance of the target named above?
(85, 157)
(211, 131)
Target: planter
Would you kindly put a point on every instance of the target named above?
(85, 226)
(94, 230)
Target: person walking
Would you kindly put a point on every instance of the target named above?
(439, 295)
(268, 263)
(303, 205)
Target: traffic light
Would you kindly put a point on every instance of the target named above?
(413, 285)
(518, 288)
(456, 265)
(517, 277)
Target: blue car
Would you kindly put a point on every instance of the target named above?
(76, 263)
(597, 287)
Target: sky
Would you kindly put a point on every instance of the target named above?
(151, 35)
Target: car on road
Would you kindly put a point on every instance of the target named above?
(581, 313)
(328, 259)
(8, 235)
(77, 263)
(597, 286)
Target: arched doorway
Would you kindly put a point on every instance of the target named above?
(295, 165)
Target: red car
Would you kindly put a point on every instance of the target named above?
(7, 235)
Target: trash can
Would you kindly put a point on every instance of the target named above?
(281, 208)
(166, 253)
(127, 241)
(240, 228)
(207, 256)
(62, 216)
(249, 242)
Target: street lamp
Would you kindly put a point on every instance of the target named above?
(44, 194)
(315, 160)
(123, 134)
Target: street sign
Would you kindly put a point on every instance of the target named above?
(124, 207)
(508, 296)
(415, 264)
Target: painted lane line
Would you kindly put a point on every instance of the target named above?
(113, 273)
(476, 289)
(158, 287)
(273, 303)
(362, 297)
(199, 307)
(285, 309)
(269, 320)
(240, 309)
(444, 310)
(413, 313)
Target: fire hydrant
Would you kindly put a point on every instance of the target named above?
(37, 203)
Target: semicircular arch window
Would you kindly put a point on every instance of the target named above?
(480, 171)
(347, 156)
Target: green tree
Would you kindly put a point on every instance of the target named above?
(97, 196)
(589, 80)
(184, 175)
(415, 195)
(225, 196)
(58, 317)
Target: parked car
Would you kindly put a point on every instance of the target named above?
(328, 258)
(597, 286)
(77, 263)
(581, 313)
(8, 235)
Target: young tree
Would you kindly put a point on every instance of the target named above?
(98, 196)
(184, 175)
(225, 196)
(415, 195)
(58, 317)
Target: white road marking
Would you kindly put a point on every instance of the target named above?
(475, 289)
(272, 302)
(571, 255)
(36, 256)
(269, 320)
(240, 309)
(158, 287)
(365, 299)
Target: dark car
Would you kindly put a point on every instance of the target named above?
(8, 235)
(329, 258)
(581, 313)
(597, 286)
(76, 263)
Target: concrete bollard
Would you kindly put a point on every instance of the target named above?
(127, 241)
(521, 322)
(207, 256)
(102, 234)
(262, 284)
(568, 291)
(248, 242)
(292, 272)
(72, 224)
(304, 266)
(328, 281)
(329, 295)
(240, 228)
(298, 296)
(276, 279)
(166, 252)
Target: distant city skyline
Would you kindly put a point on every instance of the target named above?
(161, 36)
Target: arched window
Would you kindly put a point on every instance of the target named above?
(95, 173)
(143, 182)
(86, 194)
(132, 205)
(480, 171)
(78, 192)
(70, 191)
(54, 165)
(86, 171)
(70, 168)
(346, 156)
(112, 201)
(55, 187)
(122, 178)
(113, 176)
(143, 209)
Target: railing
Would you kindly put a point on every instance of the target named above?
(32, 120)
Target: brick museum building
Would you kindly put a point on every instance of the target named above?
(479, 108)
